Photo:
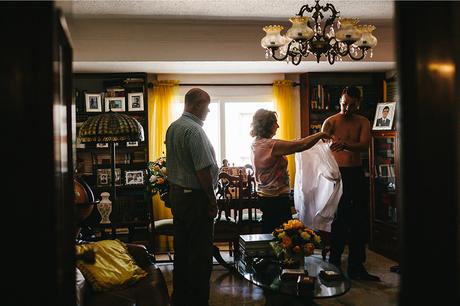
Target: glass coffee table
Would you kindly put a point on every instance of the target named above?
(268, 276)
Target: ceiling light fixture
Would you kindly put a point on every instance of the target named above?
(316, 35)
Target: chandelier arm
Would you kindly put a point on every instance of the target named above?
(279, 58)
(331, 19)
(296, 62)
(304, 48)
(363, 54)
(303, 9)
(339, 52)
(331, 58)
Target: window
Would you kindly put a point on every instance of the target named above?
(228, 125)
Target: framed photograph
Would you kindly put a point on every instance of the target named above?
(102, 145)
(132, 144)
(104, 177)
(384, 170)
(134, 177)
(135, 101)
(93, 103)
(115, 104)
(384, 115)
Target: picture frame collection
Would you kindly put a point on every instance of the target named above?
(94, 103)
(123, 177)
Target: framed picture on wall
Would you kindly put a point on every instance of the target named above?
(134, 177)
(132, 144)
(104, 177)
(135, 101)
(93, 102)
(384, 115)
(115, 104)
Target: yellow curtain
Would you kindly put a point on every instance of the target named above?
(160, 100)
(284, 106)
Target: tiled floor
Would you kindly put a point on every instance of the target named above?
(230, 289)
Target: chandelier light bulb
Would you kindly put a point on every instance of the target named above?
(273, 37)
(300, 29)
(367, 39)
(316, 35)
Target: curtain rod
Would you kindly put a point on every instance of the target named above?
(205, 84)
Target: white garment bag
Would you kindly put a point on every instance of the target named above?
(317, 186)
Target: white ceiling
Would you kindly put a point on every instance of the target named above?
(231, 9)
(380, 12)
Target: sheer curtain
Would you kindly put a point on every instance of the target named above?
(284, 106)
(160, 100)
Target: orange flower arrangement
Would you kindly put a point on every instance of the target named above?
(158, 177)
(293, 240)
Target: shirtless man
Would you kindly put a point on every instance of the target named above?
(351, 135)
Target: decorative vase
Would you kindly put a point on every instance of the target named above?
(105, 208)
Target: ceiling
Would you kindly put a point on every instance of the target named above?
(170, 11)
(230, 9)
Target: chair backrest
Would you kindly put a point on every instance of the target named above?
(229, 192)
(237, 197)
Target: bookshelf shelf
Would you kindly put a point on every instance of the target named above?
(384, 190)
(93, 160)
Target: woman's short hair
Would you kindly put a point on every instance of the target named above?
(262, 123)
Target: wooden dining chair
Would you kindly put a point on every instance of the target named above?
(228, 193)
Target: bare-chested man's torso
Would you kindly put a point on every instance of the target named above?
(351, 129)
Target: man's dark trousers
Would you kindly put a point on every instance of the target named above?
(193, 237)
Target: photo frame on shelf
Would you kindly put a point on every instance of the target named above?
(135, 101)
(132, 144)
(93, 102)
(134, 177)
(392, 170)
(384, 116)
(384, 170)
(115, 104)
(104, 177)
(102, 145)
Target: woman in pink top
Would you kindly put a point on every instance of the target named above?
(270, 167)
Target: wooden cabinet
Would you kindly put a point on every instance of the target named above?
(131, 211)
(384, 190)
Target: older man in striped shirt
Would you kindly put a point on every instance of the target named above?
(192, 173)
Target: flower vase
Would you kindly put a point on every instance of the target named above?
(105, 208)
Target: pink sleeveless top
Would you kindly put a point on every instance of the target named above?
(271, 174)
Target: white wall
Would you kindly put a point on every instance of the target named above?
(188, 40)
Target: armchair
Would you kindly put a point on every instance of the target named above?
(149, 291)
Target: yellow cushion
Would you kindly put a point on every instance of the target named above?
(114, 267)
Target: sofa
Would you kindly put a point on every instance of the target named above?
(151, 290)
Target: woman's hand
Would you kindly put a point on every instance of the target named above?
(337, 145)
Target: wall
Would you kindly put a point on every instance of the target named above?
(184, 40)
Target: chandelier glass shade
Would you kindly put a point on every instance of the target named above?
(331, 37)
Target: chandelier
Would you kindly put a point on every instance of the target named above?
(315, 35)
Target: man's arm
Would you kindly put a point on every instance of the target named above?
(205, 178)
